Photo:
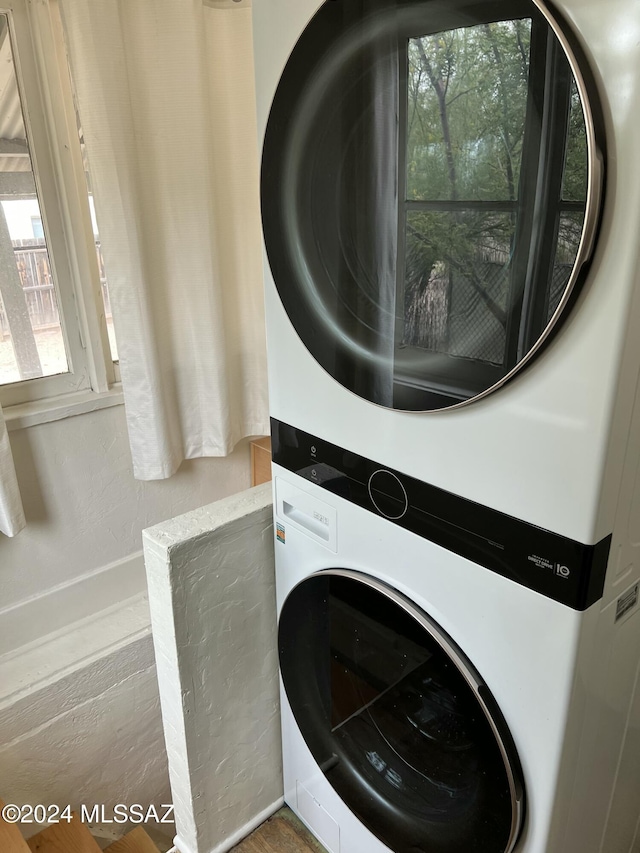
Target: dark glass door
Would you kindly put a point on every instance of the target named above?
(431, 188)
(397, 718)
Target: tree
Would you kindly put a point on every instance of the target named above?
(468, 96)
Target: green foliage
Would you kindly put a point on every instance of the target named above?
(575, 181)
(467, 105)
(468, 97)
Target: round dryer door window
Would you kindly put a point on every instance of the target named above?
(397, 718)
(431, 189)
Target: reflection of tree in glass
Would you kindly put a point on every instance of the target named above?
(574, 188)
(467, 98)
(457, 281)
(468, 94)
(467, 104)
(575, 176)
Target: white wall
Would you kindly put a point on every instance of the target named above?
(83, 507)
(93, 736)
(79, 711)
(19, 214)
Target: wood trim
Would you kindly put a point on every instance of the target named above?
(260, 461)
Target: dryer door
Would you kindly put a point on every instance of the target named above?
(398, 719)
(431, 187)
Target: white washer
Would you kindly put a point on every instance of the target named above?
(548, 446)
(379, 751)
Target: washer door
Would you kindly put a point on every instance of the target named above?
(431, 187)
(397, 718)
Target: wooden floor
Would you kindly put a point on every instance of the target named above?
(283, 833)
(71, 837)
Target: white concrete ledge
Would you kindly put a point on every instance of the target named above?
(211, 585)
(56, 611)
(42, 677)
(80, 719)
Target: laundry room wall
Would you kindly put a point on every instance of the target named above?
(79, 711)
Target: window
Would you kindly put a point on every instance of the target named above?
(488, 110)
(36, 227)
(53, 334)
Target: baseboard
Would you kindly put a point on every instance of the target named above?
(237, 836)
(45, 615)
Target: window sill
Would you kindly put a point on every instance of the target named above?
(64, 406)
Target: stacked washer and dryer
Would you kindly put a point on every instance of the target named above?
(450, 201)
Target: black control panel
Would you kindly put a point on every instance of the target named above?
(560, 568)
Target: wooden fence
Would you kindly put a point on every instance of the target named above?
(32, 261)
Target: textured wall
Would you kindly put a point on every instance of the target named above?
(84, 509)
(93, 736)
(76, 730)
(212, 596)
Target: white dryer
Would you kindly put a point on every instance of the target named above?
(450, 206)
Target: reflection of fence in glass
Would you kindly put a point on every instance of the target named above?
(452, 313)
(456, 312)
(32, 262)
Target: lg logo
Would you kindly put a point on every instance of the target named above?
(562, 571)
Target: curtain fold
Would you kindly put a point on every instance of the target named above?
(11, 513)
(165, 94)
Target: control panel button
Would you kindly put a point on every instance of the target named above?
(387, 494)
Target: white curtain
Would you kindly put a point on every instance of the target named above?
(11, 512)
(165, 93)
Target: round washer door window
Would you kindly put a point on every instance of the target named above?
(431, 189)
(398, 720)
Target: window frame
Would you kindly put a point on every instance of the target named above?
(459, 378)
(46, 97)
